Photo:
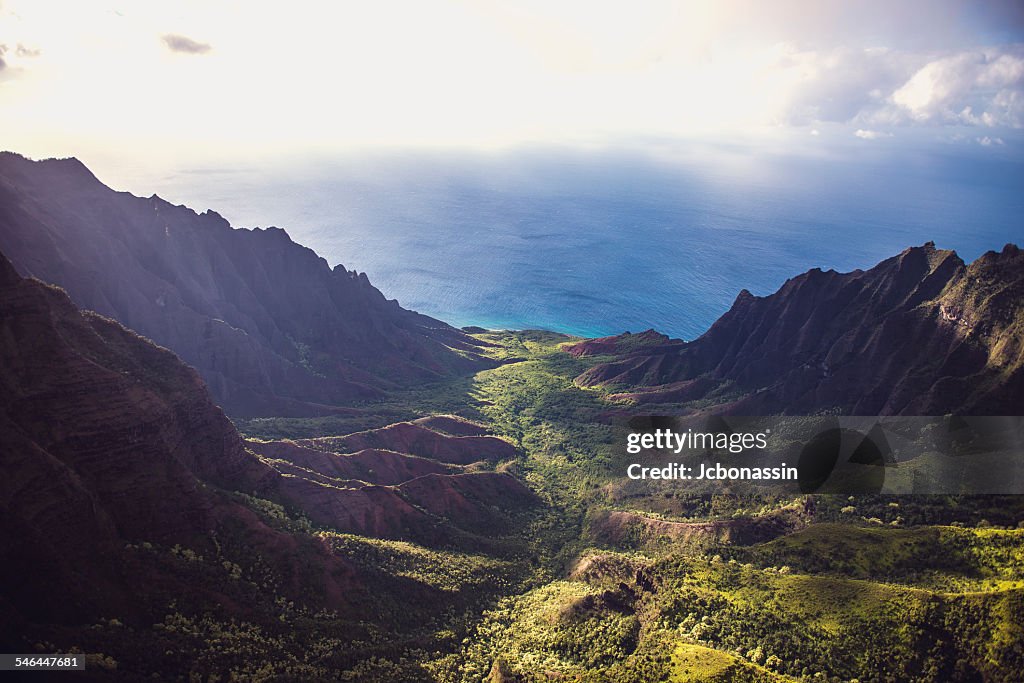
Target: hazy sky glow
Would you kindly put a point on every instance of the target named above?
(211, 79)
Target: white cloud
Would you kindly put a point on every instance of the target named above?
(12, 59)
(885, 87)
(871, 134)
(978, 88)
(986, 141)
(837, 85)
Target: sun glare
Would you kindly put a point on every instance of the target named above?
(201, 78)
(396, 73)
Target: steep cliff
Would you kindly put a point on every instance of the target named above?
(109, 443)
(920, 333)
(269, 325)
(108, 440)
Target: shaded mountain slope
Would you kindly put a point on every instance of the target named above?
(108, 442)
(920, 333)
(105, 440)
(416, 439)
(370, 465)
(399, 480)
(269, 325)
(451, 424)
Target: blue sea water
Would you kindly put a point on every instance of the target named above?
(598, 242)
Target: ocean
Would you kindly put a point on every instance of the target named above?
(597, 242)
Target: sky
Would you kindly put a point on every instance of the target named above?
(212, 79)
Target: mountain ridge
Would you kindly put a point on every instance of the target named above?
(111, 443)
(107, 439)
(269, 324)
(919, 333)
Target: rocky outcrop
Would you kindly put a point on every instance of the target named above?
(920, 333)
(269, 325)
(649, 341)
(619, 528)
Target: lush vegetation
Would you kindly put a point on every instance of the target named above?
(868, 588)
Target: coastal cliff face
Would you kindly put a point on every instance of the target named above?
(920, 333)
(269, 325)
(109, 441)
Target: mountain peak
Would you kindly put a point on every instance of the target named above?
(900, 338)
(62, 168)
(1009, 252)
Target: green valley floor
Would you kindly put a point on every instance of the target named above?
(601, 581)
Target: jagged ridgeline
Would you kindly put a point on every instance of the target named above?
(269, 325)
(921, 333)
